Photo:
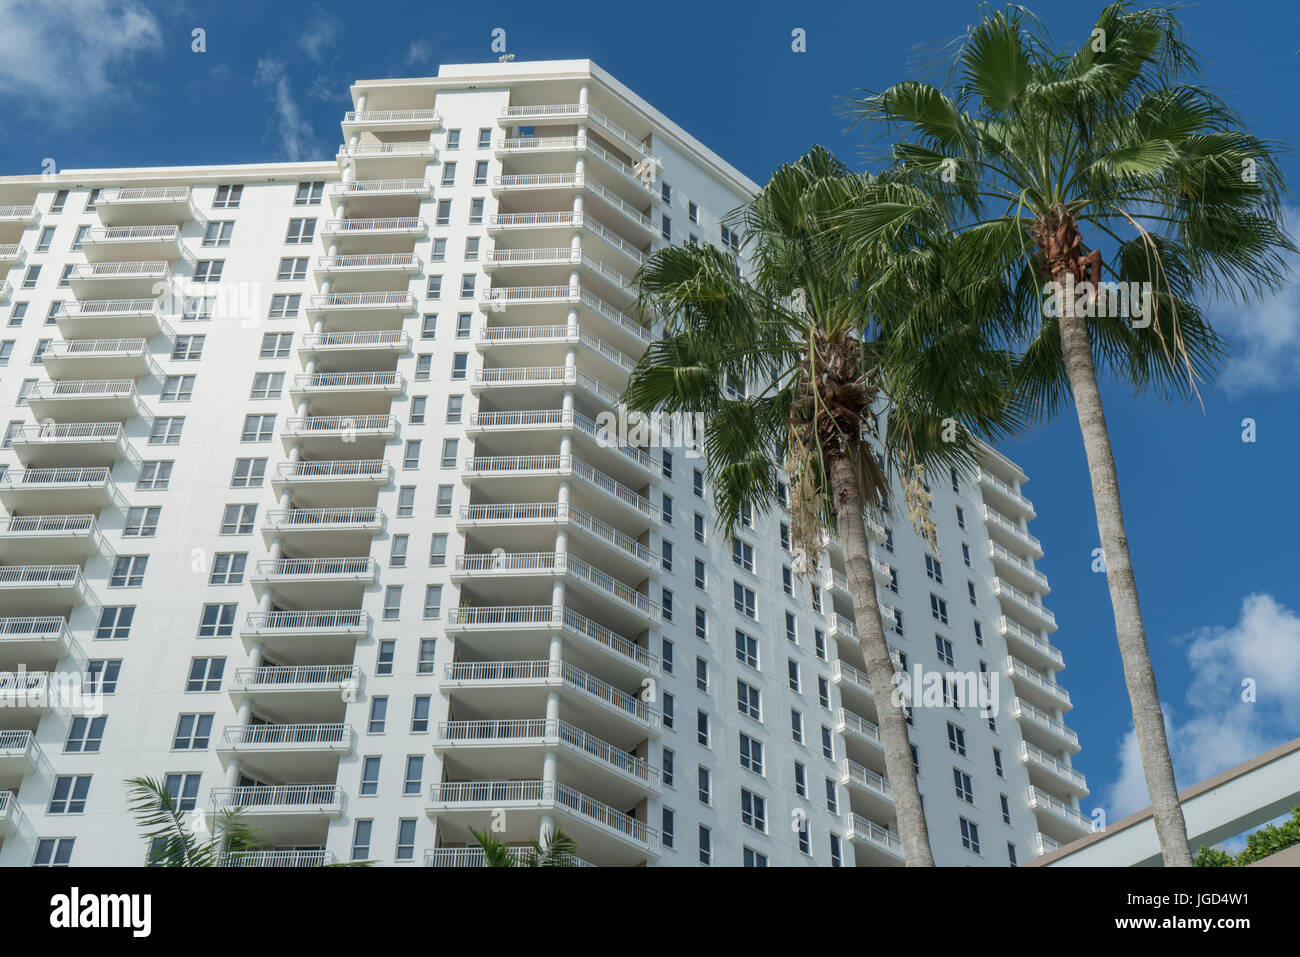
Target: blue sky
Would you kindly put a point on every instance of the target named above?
(101, 83)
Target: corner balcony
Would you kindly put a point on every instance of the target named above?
(521, 688)
(62, 491)
(631, 217)
(483, 749)
(308, 692)
(284, 813)
(340, 483)
(360, 272)
(607, 836)
(312, 581)
(871, 791)
(134, 206)
(635, 181)
(110, 318)
(873, 844)
(1004, 495)
(118, 280)
(275, 858)
(475, 857)
(82, 400)
(341, 393)
(1046, 771)
(20, 757)
(352, 351)
(1006, 532)
(492, 631)
(523, 113)
(14, 221)
(360, 310)
(12, 255)
(35, 641)
(398, 160)
(97, 359)
(356, 121)
(1056, 818)
(395, 234)
(324, 531)
(1044, 845)
(379, 197)
(41, 589)
(53, 539)
(1028, 609)
(123, 243)
(72, 444)
(604, 496)
(286, 749)
(326, 436)
(1015, 570)
(10, 817)
(1042, 730)
(1036, 688)
(319, 635)
(1029, 647)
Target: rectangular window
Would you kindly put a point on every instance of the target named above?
(209, 270)
(193, 732)
(249, 473)
(115, 622)
(227, 197)
(217, 620)
(300, 232)
(128, 571)
(218, 232)
(205, 674)
(228, 568)
(141, 522)
(69, 795)
(177, 388)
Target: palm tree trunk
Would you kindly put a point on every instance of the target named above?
(849, 508)
(1139, 676)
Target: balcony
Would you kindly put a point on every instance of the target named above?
(1010, 534)
(605, 835)
(523, 113)
(122, 243)
(1056, 818)
(97, 359)
(474, 857)
(14, 220)
(854, 685)
(20, 757)
(513, 183)
(358, 272)
(1027, 608)
(355, 121)
(862, 739)
(50, 539)
(347, 310)
(1016, 570)
(308, 692)
(842, 629)
(379, 197)
(1024, 644)
(81, 400)
(1037, 688)
(352, 351)
(35, 641)
(392, 234)
(10, 816)
(873, 844)
(65, 491)
(322, 635)
(495, 630)
(331, 435)
(871, 791)
(1044, 845)
(275, 858)
(132, 206)
(1005, 494)
(284, 813)
(1042, 730)
(1048, 771)
(398, 160)
(484, 748)
(296, 750)
(324, 531)
(27, 696)
(533, 227)
(6, 290)
(72, 443)
(533, 145)
(41, 589)
(314, 580)
(337, 483)
(116, 280)
(627, 214)
(339, 393)
(109, 318)
(12, 255)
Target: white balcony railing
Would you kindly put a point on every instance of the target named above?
(236, 735)
(343, 619)
(540, 729)
(1038, 756)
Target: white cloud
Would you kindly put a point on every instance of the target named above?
(321, 32)
(1264, 338)
(419, 52)
(293, 131)
(71, 54)
(1218, 730)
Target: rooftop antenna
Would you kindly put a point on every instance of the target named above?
(505, 58)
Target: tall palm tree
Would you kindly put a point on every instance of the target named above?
(557, 850)
(800, 335)
(1106, 163)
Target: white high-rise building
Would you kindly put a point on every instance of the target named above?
(303, 475)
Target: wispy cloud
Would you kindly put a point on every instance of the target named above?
(293, 131)
(71, 55)
(1265, 337)
(419, 52)
(1217, 729)
(321, 31)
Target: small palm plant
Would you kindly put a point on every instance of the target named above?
(173, 842)
(790, 366)
(557, 850)
(1112, 194)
